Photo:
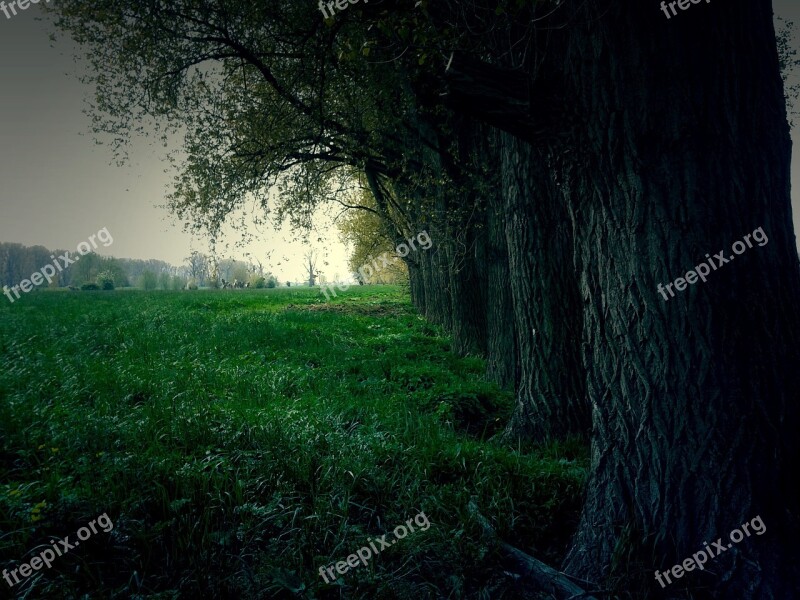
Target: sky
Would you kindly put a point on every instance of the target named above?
(58, 187)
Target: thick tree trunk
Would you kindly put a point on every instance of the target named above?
(501, 344)
(466, 212)
(467, 291)
(695, 397)
(551, 400)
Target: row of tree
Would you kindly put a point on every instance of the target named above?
(18, 262)
(565, 156)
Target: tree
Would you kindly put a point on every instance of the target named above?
(148, 281)
(695, 412)
(241, 272)
(633, 146)
(198, 265)
(310, 260)
(177, 283)
(86, 270)
(367, 233)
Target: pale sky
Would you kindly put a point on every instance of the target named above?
(57, 186)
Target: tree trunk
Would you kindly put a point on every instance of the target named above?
(695, 397)
(467, 291)
(501, 344)
(551, 400)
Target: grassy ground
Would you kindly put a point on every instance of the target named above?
(240, 440)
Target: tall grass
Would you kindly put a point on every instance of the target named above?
(239, 440)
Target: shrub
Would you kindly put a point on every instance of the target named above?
(90, 287)
(105, 280)
(258, 283)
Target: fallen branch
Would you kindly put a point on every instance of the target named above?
(546, 578)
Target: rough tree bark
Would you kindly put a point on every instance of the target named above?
(694, 398)
(551, 400)
(685, 151)
(501, 344)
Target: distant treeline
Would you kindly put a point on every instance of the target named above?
(18, 262)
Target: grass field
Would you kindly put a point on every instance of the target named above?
(240, 440)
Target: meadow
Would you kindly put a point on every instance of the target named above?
(241, 439)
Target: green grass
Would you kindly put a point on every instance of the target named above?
(239, 440)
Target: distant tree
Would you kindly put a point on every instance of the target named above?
(198, 267)
(117, 270)
(310, 259)
(163, 281)
(148, 280)
(240, 272)
(177, 283)
(86, 270)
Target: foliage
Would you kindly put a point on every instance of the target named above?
(148, 281)
(105, 280)
(786, 37)
(366, 232)
(198, 267)
(177, 283)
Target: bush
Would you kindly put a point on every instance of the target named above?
(105, 280)
(258, 283)
(90, 287)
